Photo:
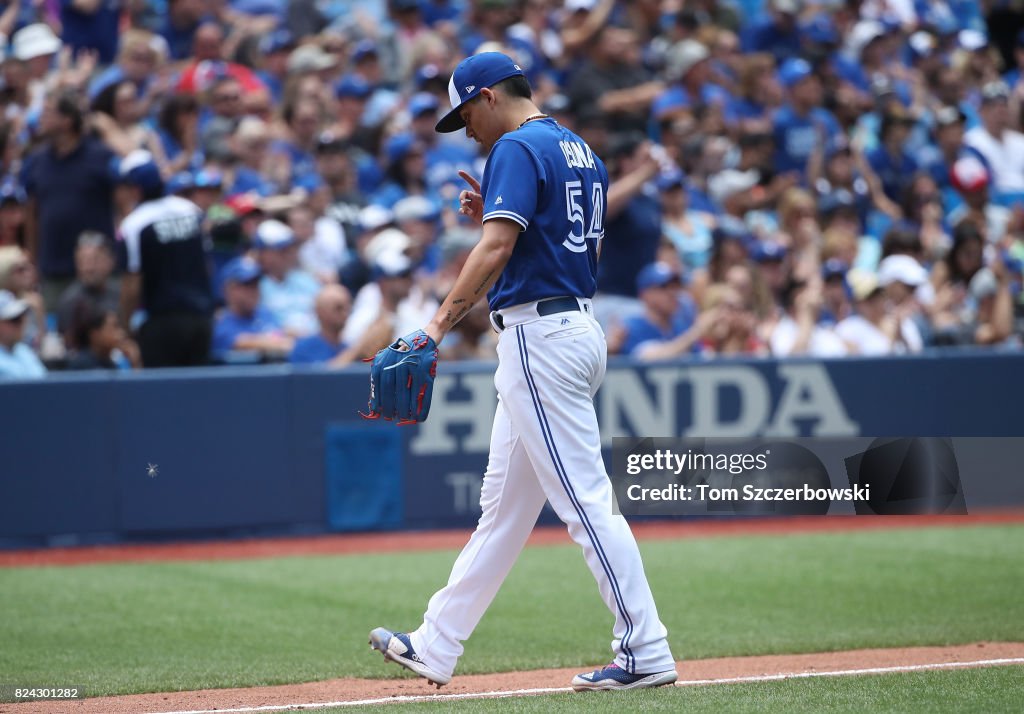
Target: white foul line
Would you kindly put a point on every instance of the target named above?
(405, 698)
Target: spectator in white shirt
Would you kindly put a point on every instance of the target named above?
(876, 329)
(17, 360)
(1002, 147)
(798, 332)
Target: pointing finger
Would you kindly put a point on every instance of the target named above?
(470, 180)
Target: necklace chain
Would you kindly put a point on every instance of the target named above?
(529, 119)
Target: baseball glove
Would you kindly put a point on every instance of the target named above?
(402, 379)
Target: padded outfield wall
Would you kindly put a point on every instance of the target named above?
(263, 450)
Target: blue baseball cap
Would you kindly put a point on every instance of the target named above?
(423, 103)
(794, 70)
(833, 268)
(352, 85)
(208, 178)
(768, 251)
(139, 169)
(473, 74)
(820, 29)
(428, 73)
(656, 275)
(180, 182)
(837, 200)
(671, 179)
(12, 192)
(732, 228)
(363, 49)
(277, 41)
(242, 270)
(400, 145)
(310, 181)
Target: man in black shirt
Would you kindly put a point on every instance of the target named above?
(613, 81)
(70, 191)
(167, 268)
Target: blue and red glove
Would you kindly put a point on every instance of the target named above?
(402, 379)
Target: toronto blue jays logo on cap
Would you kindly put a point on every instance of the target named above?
(473, 74)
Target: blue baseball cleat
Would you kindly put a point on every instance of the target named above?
(614, 677)
(396, 647)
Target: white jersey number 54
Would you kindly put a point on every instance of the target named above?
(577, 240)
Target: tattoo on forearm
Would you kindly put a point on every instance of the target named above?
(458, 302)
(483, 283)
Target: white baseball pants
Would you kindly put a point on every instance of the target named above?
(545, 445)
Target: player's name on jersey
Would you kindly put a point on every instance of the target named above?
(178, 228)
(577, 154)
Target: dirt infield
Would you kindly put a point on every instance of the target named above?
(369, 691)
(433, 540)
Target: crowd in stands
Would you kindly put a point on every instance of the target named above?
(788, 177)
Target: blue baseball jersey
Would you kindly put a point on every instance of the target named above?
(545, 178)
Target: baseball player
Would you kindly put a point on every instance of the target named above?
(541, 204)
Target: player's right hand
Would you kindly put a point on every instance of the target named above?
(471, 203)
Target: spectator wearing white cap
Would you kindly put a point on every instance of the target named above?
(419, 218)
(35, 45)
(286, 290)
(394, 296)
(17, 360)
(687, 66)
(875, 329)
(1002, 147)
(18, 275)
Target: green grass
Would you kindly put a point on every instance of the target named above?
(986, 691)
(130, 628)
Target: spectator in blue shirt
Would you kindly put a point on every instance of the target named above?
(689, 65)
(91, 25)
(245, 326)
(776, 33)
(890, 161)
(274, 51)
(287, 291)
(180, 25)
(333, 306)
(759, 90)
(178, 135)
(949, 146)
(801, 122)
(668, 311)
(71, 188)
